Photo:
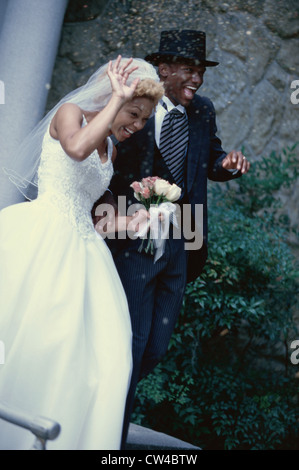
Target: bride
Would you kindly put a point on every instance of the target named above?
(64, 317)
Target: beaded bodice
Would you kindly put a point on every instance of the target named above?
(73, 186)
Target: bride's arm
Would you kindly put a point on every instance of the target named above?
(108, 224)
(79, 142)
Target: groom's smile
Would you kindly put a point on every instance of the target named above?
(181, 81)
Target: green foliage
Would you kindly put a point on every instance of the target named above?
(259, 191)
(227, 381)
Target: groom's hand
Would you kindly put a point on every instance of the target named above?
(235, 160)
(138, 221)
(111, 209)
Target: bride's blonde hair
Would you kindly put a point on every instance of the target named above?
(148, 88)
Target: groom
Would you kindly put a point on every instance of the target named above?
(155, 290)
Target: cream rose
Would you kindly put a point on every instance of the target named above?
(173, 193)
(161, 187)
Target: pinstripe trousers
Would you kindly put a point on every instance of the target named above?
(155, 293)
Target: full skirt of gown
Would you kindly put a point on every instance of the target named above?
(65, 325)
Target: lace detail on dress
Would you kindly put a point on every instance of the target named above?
(72, 186)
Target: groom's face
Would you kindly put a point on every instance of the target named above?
(181, 81)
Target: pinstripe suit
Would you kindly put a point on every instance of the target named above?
(155, 291)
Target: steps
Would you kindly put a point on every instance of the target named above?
(146, 439)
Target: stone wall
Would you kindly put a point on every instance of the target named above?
(255, 41)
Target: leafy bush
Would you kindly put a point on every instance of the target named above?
(227, 381)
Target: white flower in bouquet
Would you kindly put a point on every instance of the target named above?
(157, 195)
(173, 193)
(161, 187)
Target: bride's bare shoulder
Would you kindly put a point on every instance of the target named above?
(67, 113)
(69, 109)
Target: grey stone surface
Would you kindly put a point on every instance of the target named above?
(224, 84)
(288, 56)
(233, 114)
(277, 77)
(232, 28)
(265, 116)
(282, 17)
(84, 10)
(262, 48)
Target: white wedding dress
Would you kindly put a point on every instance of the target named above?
(64, 317)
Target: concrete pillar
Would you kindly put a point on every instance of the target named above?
(3, 5)
(29, 40)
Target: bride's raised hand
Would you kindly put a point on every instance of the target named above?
(118, 75)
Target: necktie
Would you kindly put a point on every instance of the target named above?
(173, 143)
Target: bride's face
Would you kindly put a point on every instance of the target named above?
(131, 118)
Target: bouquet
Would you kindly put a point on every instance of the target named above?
(157, 195)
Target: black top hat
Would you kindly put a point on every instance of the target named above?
(182, 45)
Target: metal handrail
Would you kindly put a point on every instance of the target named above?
(44, 429)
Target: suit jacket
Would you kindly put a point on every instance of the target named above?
(138, 157)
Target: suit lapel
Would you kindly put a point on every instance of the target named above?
(147, 137)
(149, 151)
(194, 146)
